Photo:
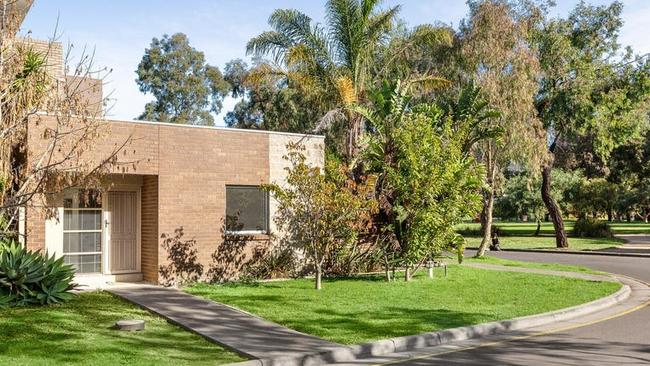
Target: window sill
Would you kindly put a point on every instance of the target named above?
(250, 235)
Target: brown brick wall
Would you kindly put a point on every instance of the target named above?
(149, 228)
(137, 144)
(195, 166)
(35, 228)
(89, 93)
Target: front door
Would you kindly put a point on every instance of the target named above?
(123, 231)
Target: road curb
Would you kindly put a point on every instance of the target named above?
(414, 342)
(612, 254)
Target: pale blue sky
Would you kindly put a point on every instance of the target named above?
(220, 28)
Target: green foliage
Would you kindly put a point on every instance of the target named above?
(639, 199)
(434, 185)
(629, 170)
(520, 197)
(472, 117)
(586, 90)
(427, 183)
(267, 103)
(520, 194)
(318, 70)
(591, 228)
(594, 196)
(186, 89)
(28, 277)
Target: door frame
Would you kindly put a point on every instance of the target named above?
(106, 222)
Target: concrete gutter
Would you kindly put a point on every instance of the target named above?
(415, 342)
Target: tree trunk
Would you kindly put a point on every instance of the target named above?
(387, 268)
(355, 129)
(487, 229)
(407, 274)
(553, 209)
(319, 273)
(488, 201)
(539, 227)
(482, 218)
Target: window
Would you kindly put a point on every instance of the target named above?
(247, 209)
(82, 230)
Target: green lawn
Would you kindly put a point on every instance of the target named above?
(79, 333)
(367, 308)
(550, 266)
(528, 228)
(548, 242)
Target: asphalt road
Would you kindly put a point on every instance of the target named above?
(624, 340)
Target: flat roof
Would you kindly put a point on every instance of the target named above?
(228, 129)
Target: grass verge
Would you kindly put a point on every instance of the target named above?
(528, 228)
(548, 242)
(550, 266)
(80, 333)
(366, 308)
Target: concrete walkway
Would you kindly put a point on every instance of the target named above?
(634, 244)
(242, 332)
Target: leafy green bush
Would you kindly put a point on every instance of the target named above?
(592, 228)
(29, 277)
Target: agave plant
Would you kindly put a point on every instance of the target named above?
(30, 277)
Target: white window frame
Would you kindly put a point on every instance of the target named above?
(266, 213)
(102, 258)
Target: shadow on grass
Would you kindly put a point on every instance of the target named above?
(386, 323)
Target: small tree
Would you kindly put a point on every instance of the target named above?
(427, 183)
(317, 215)
(31, 82)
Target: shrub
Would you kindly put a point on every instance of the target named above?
(592, 228)
(280, 262)
(29, 277)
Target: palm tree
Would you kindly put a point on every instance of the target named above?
(334, 60)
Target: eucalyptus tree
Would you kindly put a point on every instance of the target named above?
(588, 91)
(266, 103)
(186, 88)
(333, 61)
(497, 52)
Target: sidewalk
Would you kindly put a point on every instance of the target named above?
(634, 244)
(242, 332)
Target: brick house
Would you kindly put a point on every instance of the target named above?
(185, 176)
(180, 176)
